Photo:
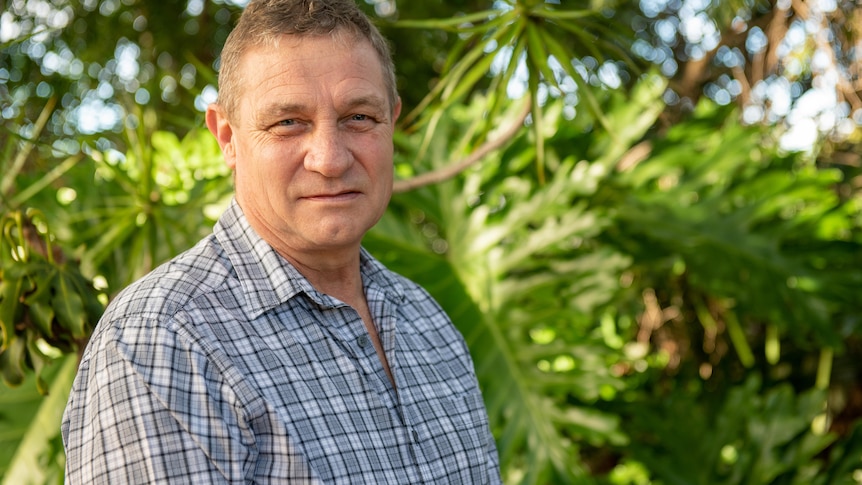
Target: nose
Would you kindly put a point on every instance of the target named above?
(327, 153)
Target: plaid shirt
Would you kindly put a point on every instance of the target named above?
(226, 366)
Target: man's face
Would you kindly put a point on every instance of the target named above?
(310, 143)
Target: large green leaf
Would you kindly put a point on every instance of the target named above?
(30, 427)
(522, 274)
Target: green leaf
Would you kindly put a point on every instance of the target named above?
(752, 435)
(547, 13)
(464, 74)
(117, 230)
(450, 23)
(37, 360)
(45, 181)
(584, 90)
(10, 308)
(12, 363)
(31, 425)
(69, 307)
(43, 316)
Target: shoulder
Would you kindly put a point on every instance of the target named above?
(171, 287)
(147, 318)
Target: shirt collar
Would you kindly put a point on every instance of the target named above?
(268, 280)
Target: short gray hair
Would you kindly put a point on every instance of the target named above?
(264, 21)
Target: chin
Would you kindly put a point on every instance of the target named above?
(339, 237)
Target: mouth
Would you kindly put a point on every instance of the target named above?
(342, 196)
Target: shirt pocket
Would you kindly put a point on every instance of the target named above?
(472, 433)
(471, 413)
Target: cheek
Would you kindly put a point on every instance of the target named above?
(383, 179)
(263, 164)
(379, 167)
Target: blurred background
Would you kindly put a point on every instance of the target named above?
(644, 216)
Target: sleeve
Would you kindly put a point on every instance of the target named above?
(493, 460)
(493, 463)
(146, 410)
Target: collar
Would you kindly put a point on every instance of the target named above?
(268, 280)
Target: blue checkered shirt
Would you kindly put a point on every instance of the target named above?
(226, 366)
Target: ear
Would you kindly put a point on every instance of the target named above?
(396, 111)
(220, 127)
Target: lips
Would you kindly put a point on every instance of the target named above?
(333, 196)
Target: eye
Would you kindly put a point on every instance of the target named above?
(360, 122)
(286, 127)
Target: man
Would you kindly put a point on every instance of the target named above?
(277, 350)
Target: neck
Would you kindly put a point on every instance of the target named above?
(330, 270)
(341, 280)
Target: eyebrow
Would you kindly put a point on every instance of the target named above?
(362, 101)
(279, 109)
(371, 101)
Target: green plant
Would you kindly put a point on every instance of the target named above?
(752, 435)
(47, 308)
(146, 204)
(527, 256)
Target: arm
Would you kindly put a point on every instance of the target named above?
(141, 411)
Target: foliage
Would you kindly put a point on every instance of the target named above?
(147, 204)
(787, 242)
(46, 306)
(750, 435)
(33, 448)
(510, 36)
(552, 331)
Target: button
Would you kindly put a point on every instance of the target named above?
(415, 436)
(363, 341)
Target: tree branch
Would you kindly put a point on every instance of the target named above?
(450, 171)
(634, 156)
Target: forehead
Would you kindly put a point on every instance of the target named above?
(311, 68)
(291, 59)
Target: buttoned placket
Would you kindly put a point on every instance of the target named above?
(383, 308)
(354, 338)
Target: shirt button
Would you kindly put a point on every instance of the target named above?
(363, 341)
(415, 436)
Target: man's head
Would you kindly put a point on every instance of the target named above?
(264, 22)
(309, 134)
